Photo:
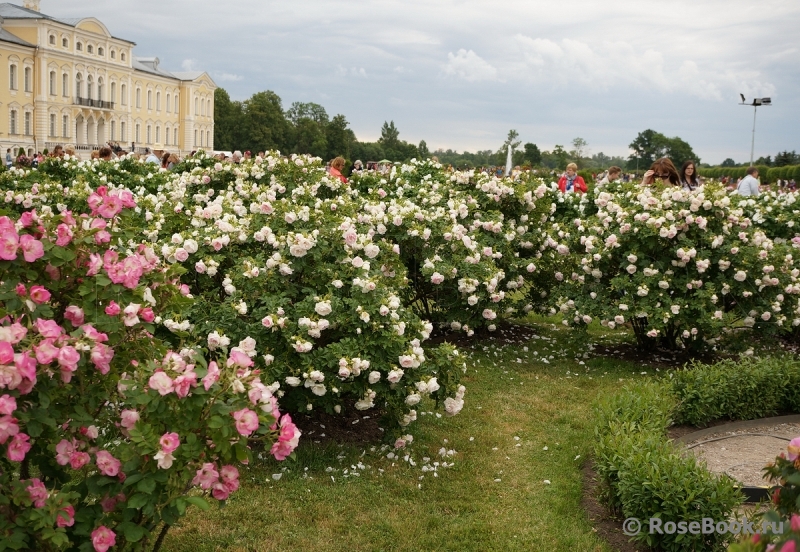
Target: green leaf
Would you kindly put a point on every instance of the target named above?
(134, 533)
(147, 485)
(33, 428)
(138, 500)
(216, 422)
(198, 501)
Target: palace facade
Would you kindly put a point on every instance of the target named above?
(69, 81)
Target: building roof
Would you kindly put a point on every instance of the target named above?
(187, 75)
(12, 11)
(150, 65)
(6, 36)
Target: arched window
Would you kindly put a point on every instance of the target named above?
(158, 103)
(64, 84)
(90, 49)
(65, 43)
(166, 136)
(28, 130)
(28, 84)
(113, 130)
(149, 134)
(196, 104)
(52, 40)
(138, 132)
(65, 126)
(52, 85)
(78, 85)
(168, 106)
(89, 87)
(203, 107)
(79, 47)
(12, 76)
(195, 138)
(208, 109)
(122, 131)
(113, 96)
(158, 134)
(100, 52)
(149, 99)
(122, 56)
(113, 54)
(53, 124)
(177, 101)
(123, 95)
(208, 138)
(175, 136)
(12, 122)
(138, 98)
(100, 88)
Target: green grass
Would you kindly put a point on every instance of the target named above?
(493, 497)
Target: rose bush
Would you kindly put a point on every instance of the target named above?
(108, 433)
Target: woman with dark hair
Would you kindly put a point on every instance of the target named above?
(689, 176)
(662, 170)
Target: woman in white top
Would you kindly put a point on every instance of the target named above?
(689, 176)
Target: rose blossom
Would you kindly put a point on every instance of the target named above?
(74, 314)
(169, 442)
(39, 295)
(287, 439)
(103, 538)
(128, 418)
(37, 492)
(18, 447)
(113, 309)
(66, 516)
(8, 405)
(206, 476)
(161, 382)
(246, 421)
(107, 464)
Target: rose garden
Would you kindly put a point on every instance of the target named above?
(486, 341)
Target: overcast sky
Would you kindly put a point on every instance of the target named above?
(459, 74)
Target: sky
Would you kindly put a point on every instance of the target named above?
(459, 74)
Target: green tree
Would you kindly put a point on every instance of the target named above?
(728, 163)
(340, 138)
(390, 136)
(578, 148)
(532, 154)
(265, 126)
(650, 145)
(786, 158)
(228, 116)
(424, 153)
(764, 161)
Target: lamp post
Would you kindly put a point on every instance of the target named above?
(755, 103)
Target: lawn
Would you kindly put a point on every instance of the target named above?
(505, 474)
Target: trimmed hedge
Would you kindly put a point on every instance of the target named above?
(743, 390)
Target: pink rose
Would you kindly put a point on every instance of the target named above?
(212, 376)
(169, 442)
(68, 357)
(37, 492)
(66, 516)
(794, 449)
(95, 264)
(64, 235)
(206, 476)
(110, 208)
(238, 358)
(74, 314)
(184, 382)
(32, 248)
(288, 438)
(48, 328)
(27, 218)
(46, 352)
(147, 314)
(78, 459)
(113, 309)
(107, 464)
(8, 428)
(128, 418)
(246, 421)
(64, 451)
(101, 357)
(103, 538)
(8, 405)
(795, 523)
(13, 334)
(6, 353)
(93, 334)
(161, 382)
(39, 295)
(9, 243)
(21, 290)
(18, 447)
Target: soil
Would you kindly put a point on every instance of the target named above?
(352, 426)
(607, 526)
(742, 454)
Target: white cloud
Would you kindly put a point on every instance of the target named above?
(469, 66)
(189, 65)
(228, 77)
(342, 71)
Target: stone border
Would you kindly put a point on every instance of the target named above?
(752, 494)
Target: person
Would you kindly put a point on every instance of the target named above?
(689, 176)
(172, 161)
(9, 158)
(749, 184)
(69, 149)
(663, 170)
(151, 157)
(612, 174)
(337, 166)
(165, 160)
(58, 151)
(358, 166)
(236, 157)
(105, 153)
(571, 182)
(95, 154)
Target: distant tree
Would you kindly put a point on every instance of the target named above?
(265, 125)
(561, 156)
(390, 136)
(532, 154)
(786, 158)
(301, 110)
(578, 148)
(228, 117)
(764, 161)
(728, 163)
(650, 145)
(424, 153)
(340, 138)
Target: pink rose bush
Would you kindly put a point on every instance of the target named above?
(96, 394)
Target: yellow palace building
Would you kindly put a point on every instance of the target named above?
(69, 81)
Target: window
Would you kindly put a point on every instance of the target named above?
(123, 95)
(158, 134)
(27, 75)
(100, 52)
(149, 99)
(28, 123)
(52, 85)
(65, 126)
(122, 56)
(100, 89)
(12, 77)
(175, 136)
(113, 54)
(208, 109)
(89, 87)
(168, 106)
(196, 110)
(65, 42)
(203, 108)
(195, 138)
(53, 124)
(122, 131)
(52, 40)
(158, 102)
(138, 132)
(64, 84)
(177, 102)
(208, 138)
(166, 136)
(78, 85)
(138, 98)
(113, 96)
(79, 47)
(113, 130)
(12, 122)
(149, 134)
(90, 49)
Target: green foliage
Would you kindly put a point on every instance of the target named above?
(650, 145)
(738, 390)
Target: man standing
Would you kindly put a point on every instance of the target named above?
(748, 186)
(151, 157)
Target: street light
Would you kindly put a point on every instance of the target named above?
(755, 103)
